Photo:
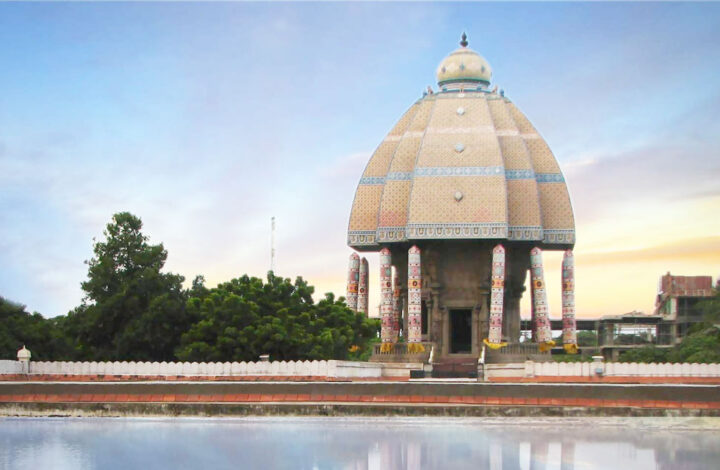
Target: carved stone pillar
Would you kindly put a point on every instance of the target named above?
(568, 302)
(396, 306)
(363, 284)
(540, 305)
(404, 311)
(386, 330)
(414, 296)
(352, 282)
(497, 299)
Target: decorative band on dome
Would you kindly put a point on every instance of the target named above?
(399, 176)
(566, 236)
(451, 81)
(525, 174)
(459, 171)
(372, 180)
(530, 233)
(491, 230)
(549, 178)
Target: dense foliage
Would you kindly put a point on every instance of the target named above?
(18, 328)
(587, 339)
(134, 311)
(645, 354)
(701, 345)
(243, 318)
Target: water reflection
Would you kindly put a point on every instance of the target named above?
(353, 444)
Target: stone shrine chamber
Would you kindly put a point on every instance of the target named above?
(460, 199)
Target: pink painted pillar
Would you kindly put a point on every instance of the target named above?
(397, 306)
(540, 306)
(364, 282)
(414, 300)
(386, 329)
(497, 293)
(352, 283)
(568, 303)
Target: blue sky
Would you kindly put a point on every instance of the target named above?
(206, 119)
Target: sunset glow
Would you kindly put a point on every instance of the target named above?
(207, 119)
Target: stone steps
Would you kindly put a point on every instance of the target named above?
(455, 368)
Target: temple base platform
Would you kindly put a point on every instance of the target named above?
(516, 353)
(398, 352)
(457, 365)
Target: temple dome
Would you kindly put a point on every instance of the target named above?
(463, 163)
(464, 65)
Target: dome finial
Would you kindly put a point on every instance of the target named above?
(464, 67)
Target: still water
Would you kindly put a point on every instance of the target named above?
(356, 443)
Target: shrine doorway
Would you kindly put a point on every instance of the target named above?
(461, 331)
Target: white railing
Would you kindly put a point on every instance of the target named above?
(340, 369)
(10, 367)
(329, 368)
(625, 369)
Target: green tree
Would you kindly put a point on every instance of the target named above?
(701, 346)
(647, 354)
(132, 311)
(43, 337)
(587, 339)
(246, 317)
(710, 308)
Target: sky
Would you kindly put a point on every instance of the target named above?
(207, 119)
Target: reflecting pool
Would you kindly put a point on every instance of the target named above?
(357, 443)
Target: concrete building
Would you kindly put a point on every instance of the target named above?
(676, 311)
(677, 300)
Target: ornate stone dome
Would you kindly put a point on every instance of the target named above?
(465, 66)
(463, 163)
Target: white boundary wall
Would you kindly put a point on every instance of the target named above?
(351, 369)
(330, 368)
(10, 367)
(621, 369)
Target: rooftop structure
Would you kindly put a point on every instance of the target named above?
(677, 299)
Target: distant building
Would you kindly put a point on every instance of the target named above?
(675, 313)
(677, 301)
(620, 333)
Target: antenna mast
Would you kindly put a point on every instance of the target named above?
(272, 244)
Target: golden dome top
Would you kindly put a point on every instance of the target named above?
(464, 65)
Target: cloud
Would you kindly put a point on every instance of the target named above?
(690, 249)
(660, 171)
